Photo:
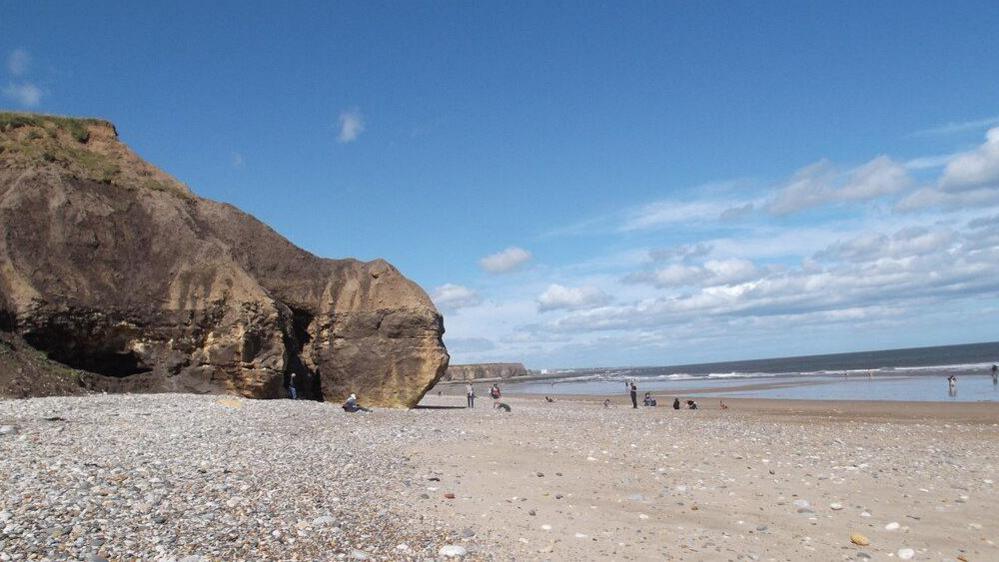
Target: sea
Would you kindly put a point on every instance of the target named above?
(916, 374)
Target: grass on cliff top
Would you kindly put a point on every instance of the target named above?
(75, 126)
(79, 161)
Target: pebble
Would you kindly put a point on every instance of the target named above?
(905, 553)
(452, 551)
(859, 539)
(273, 479)
(893, 526)
(7, 430)
(835, 506)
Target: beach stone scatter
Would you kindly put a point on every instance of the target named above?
(182, 477)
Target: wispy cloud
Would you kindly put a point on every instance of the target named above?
(821, 184)
(24, 93)
(558, 297)
(18, 62)
(351, 125)
(506, 261)
(453, 297)
(662, 214)
(929, 162)
(237, 160)
(960, 127)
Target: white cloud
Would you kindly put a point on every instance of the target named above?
(821, 184)
(725, 272)
(505, 261)
(237, 160)
(571, 298)
(928, 162)
(977, 168)
(668, 213)
(452, 297)
(737, 212)
(24, 93)
(711, 273)
(960, 127)
(683, 252)
(18, 62)
(351, 125)
(907, 242)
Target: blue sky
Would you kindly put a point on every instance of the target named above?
(580, 184)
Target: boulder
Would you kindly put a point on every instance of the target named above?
(114, 268)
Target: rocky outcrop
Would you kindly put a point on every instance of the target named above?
(111, 266)
(481, 371)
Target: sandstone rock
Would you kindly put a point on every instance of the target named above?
(115, 269)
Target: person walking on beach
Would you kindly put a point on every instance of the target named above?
(291, 387)
(634, 396)
(470, 394)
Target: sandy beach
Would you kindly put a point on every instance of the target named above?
(763, 480)
(187, 477)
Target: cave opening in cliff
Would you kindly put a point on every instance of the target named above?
(308, 383)
(108, 362)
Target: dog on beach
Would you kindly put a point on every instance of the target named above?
(502, 406)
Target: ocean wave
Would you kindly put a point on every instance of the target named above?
(644, 374)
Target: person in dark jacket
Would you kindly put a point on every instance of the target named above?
(634, 396)
(351, 405)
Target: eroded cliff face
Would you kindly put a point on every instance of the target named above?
(111, 266)
(479, 371)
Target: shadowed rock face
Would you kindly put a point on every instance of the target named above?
(111, 266)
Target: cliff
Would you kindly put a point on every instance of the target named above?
(485, 371)
(111, 266)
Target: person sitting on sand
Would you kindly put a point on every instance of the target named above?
(351, 405)
(549, 400)
(721, 403)
(676, 403)
(607, 403)
(649, 400)
(691, 405)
